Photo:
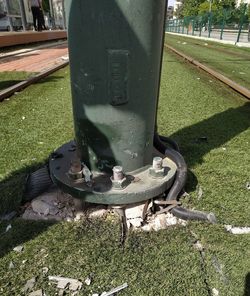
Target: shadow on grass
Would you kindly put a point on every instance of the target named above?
(20, 232)
(198, 139)
(50, 78)
(7, 83)
(12, 188)
(247, 285)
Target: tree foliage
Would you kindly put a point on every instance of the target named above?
(46, 5)
(179, 12)
(222, 10)
(200, 7)
(191, 7)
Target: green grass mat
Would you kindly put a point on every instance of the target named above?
(231, 61)
(211, 124)
(10, 78)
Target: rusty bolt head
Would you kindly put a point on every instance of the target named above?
(75, 166)
(75, 171)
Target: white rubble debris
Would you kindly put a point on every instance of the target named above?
(97, 212)
(11, 265)
(57, 205)
(215, 292)
(200, 193)
(136, 222)
(63, 283)
(135, 214)
(134, 211)
(18, 249)
(162, 221)
(87, 281)
(8, 228)
(79, 215)
(115, 290)
(65, 58)
(248, 186)
(198, 246)
(29, 284)
(42, 206)
(37, 293)
(45, 270)
(237, 230)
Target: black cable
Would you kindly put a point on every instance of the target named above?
(179, 183)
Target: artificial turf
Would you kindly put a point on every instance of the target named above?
(9, 78)
(231, 61)
(211, 124)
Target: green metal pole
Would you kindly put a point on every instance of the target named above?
(111, 81)
(193, 27)
(241, 22)
(182, 26)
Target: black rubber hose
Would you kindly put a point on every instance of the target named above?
(37, 183)
(170, 141)
(179, 183)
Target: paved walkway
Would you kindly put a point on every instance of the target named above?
(35, 61)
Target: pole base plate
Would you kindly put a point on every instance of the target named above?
(141, 185)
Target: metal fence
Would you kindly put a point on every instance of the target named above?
(222, 24)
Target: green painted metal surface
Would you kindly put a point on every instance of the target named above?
(141, 185)
(115, 51)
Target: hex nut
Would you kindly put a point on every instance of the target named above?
(157, 173)
(75, 175)
(119, 184)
